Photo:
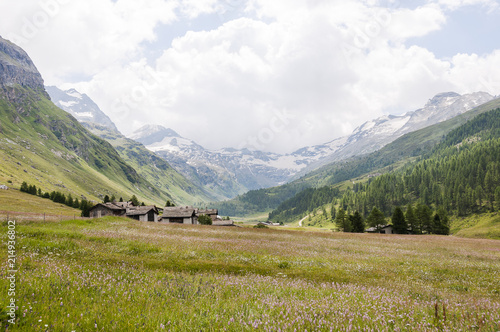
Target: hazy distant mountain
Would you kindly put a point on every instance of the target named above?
(80, 106)
(227, 172)
(231, 172)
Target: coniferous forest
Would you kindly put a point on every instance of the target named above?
(460, 176)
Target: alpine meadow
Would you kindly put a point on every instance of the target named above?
(179, 165)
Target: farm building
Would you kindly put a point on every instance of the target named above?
(109, 209)
(212, 213)
(180, 215)
(187, 215)
(143, 213)
(382, 229)
(125, 209)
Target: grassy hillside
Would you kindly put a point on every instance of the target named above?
(45, 146)
(484, 226)
(120, 275)
(15, 201)
(153, 168)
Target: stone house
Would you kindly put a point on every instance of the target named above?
(143, 213)
(180, 215)
(125, 209)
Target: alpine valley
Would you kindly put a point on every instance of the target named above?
(62, 140)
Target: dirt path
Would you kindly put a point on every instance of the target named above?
(301, 220)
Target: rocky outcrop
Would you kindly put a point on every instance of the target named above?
(16, 68)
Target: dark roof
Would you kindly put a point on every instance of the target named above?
(141, 210)
(178, 212)
(223, 223)
(123, 204)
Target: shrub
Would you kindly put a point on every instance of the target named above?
(205, 220)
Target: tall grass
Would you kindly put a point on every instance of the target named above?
(120, 275)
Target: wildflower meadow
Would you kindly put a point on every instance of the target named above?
(116, 274)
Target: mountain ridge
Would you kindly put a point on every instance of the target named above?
(252, 170)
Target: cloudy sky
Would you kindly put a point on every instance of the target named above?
(274, 75)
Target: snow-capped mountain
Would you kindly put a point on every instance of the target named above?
(84, 109)
(228, 171)
(256, 169)
(375, 134)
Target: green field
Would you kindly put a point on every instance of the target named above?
(121, 275)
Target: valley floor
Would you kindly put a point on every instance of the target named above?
(121, 275)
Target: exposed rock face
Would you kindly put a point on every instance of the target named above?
(81, 107)
(16, 67)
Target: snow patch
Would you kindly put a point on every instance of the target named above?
(84, 114)
(67, 104)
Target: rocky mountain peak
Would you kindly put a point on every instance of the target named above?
(16, 67)
(84, 109)
(442, 98)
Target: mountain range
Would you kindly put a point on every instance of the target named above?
(230, 172)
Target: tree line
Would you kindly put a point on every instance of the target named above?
(58, 197)
(416, 220)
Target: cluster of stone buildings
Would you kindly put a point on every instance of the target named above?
(175, 215)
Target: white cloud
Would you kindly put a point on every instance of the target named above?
(293, 73)
(406, 23)
(83, 37)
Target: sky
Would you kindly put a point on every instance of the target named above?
(271, 75)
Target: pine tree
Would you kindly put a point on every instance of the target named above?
(424, 218)
(134, 200)
(106, 199)
(411, 221)
(497, 197)
(24, 187)
(357, 223)
(444, 226)
(376, 219)
(399, 222)
(69, 200)
(333, 212)
(342, 221)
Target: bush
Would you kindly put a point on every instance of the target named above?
(205, 220)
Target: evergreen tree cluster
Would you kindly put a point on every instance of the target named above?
(58, 197)
(462, 180)
(418, 220)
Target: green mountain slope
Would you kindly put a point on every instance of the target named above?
(41, 144)
(462, 175)
(45, 146)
